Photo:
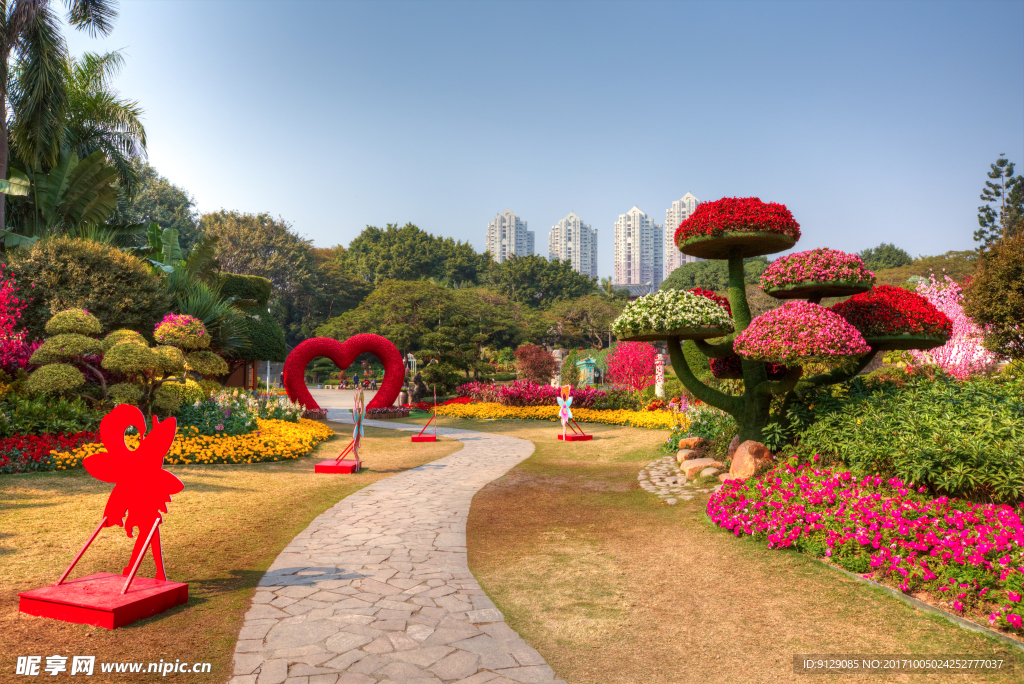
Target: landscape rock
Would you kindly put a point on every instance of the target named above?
(693, 443)
(708, 472)
(734, 445)
(748, 456)
(693, 466)
(725, 477)
(685, 454)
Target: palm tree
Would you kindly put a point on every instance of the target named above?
(98, 120)
(35, 89)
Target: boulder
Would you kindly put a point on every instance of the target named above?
(748, 456)
(693, 466)
(708, 472)
(725, 477)
(684, 454)
(733, 446)
(693, 443)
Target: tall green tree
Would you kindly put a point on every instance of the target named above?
(410, 253)
(885, 255)
(158, 200)
(1006, 191)
(35, 89)
(584, 321)
(994, 298)
(535, 281)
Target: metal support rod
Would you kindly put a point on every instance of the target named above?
(138, 561)
(80, 553)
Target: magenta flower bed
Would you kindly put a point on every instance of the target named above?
(820, 265)
(967, 558)
(799, 331)
(522, 393)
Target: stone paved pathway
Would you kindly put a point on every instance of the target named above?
(663, 478)
(377, 588)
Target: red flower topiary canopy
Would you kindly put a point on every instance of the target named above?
(886, 311)
(744, 214)
(721, 301)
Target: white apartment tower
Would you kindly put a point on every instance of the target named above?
(573, 240)
(507, 235)
(639, 250)
(674, 215)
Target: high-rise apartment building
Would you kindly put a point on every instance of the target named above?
(639, 250)
(674, 215)
(573, 240)
(507, 235)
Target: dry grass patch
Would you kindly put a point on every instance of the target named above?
(613, 586)
(220, 535)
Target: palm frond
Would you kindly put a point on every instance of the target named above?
(95, 17)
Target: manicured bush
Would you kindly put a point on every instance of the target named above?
(184, 331)
(62, 273)
(800, 332)
(441, 376)
(206, 364)
(28, 415)
(534, 363)
(73, 321)
(963, 439)
(54, 378)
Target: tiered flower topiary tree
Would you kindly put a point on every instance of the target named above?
(845, 338)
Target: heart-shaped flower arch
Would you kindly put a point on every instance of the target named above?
(343, 354)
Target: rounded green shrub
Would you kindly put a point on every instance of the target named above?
(188, 392)
(123, 336)
(210, 387)
(206, 363)
(182, 330)
(166, 399)
(54, 378)
(130, 358)
(66, 347)
(125, 393)
(77, 321)
(115, 287)
(171, 359)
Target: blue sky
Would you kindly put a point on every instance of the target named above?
(871, 121)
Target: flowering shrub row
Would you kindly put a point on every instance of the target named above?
(820, 265)
(799, 331)
(969, 556)
(666, 310)
(275, 440)
(660, 420)
(886, 310)
(963, 354)
(738, 214)
(29, 453)
(523, 393)
(429, 405)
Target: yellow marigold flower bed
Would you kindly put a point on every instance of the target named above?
(655, 420)
(275, 440)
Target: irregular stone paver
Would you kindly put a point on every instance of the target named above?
(377, 589)
(666, 479)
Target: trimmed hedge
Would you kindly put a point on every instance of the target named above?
(246, 287)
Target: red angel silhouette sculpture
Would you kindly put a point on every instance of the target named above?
(142, 487)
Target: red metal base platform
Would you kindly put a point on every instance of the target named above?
(97, 600)
(575, 438)
(333, 466)
(424, 438)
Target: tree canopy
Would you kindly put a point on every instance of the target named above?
(885, 255)
(535, 281)
(1006, 191)
(995, 297)
(409, 253)
(158, 200)
(713, 274)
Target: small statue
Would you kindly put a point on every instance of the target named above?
(418, 390)
(564, 412)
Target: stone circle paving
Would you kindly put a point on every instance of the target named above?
(665, 478)
(378, 590)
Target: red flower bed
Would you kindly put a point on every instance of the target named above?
(748, 214)
(721, 301)
(886, 310)
(730, 366)
(28, 453)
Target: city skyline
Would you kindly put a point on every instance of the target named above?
(639, 250)
(572, 240)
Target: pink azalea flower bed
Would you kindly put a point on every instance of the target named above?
(799, 330)
(967, 558)
(817, 265)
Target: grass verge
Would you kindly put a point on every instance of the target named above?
(613, 586)
(220, 535)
